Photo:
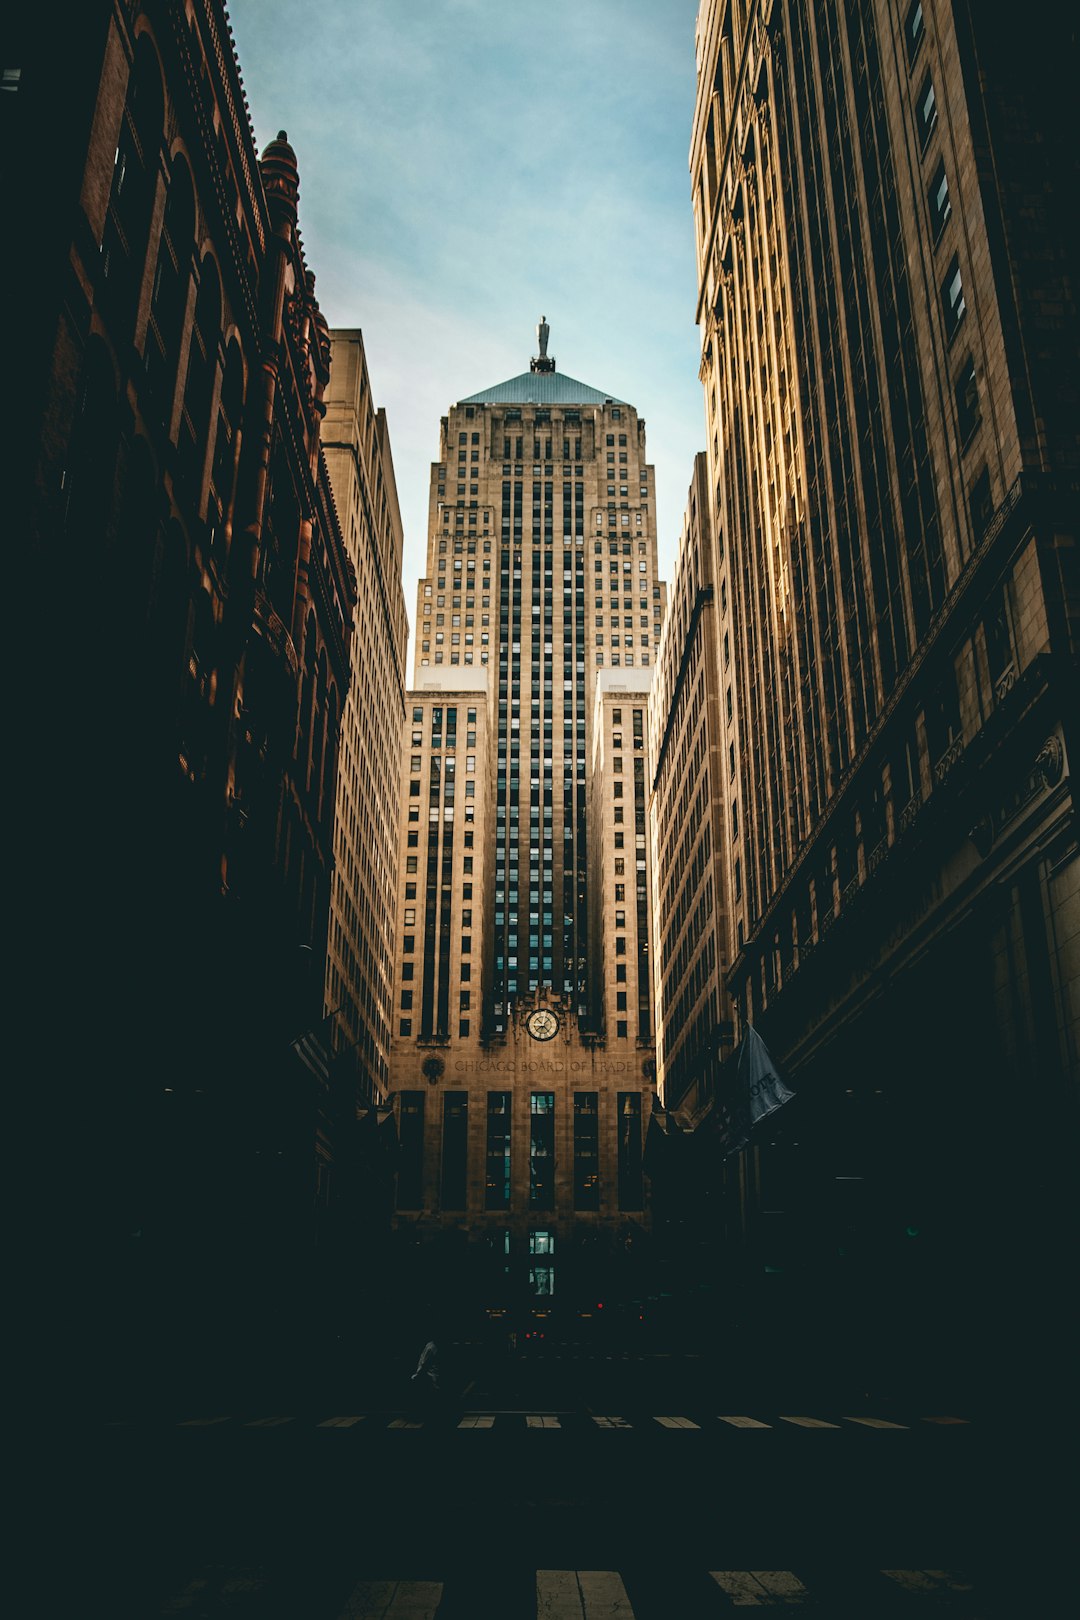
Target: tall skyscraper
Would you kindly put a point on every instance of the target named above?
(542, 576)
(889, 341)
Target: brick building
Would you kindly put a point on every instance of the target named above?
(182, 545)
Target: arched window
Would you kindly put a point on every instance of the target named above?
(168, 300)
(90, 473)
(168, 628)
(199, 387)
(198, 691)
(137, 538)
(226, 447)
(318, 729)
(307, 699)
(131, 198)
(326, 792)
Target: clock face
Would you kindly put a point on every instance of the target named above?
(542, 1025)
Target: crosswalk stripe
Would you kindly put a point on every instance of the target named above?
(927, 1580)
(393, 1600)
(677, 1423)
(542, 1423)
(758, 1588)
(405, 1423)
(955, 1583)
(566, 1594)
(339, 1422)
(810, 1423)
(267, 1423)
(200, 1423)
(876, 1423)
(945, 1420)
(744, 1423)
(476, 1423)
(603, 1593)
(611, 1423)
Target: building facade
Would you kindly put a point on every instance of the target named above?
(359, 964)
(525, 1082)
(885, 308)
(686, 721)
(181, 541)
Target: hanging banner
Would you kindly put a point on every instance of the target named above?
(755, 1091)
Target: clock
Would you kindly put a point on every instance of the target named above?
(542, 1025)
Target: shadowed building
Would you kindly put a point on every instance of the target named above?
(359, 965)
(182, 543)
(687, 818)
(522, 1089)
(889, 336)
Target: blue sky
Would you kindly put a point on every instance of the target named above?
(468, 165)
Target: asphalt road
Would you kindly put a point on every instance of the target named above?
(555, 1487)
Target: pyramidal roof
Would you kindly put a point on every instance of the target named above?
(541, 388)
(541, 384)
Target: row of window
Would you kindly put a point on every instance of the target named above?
(499, 1152)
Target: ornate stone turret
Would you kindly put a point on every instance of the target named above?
(281, 179)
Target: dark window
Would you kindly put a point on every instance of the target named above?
(455, 1149)
(497, 1177)
(914, 29)
(586, 1150)
(967, 399)
(926, 110)
(629, 1149)
(542, 1150)
(410, 1188)
(953, 304)
(940, 202)
(981, 505)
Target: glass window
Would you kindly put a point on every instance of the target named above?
(455, 1145)
(542, 1150)
(953, 303)
(497, 1177)
(629, 1150)
(914, 29)
(586, 1150)
(940, 204)
(410, 1174)
(927, 109)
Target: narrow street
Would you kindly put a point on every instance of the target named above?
(650, 1495)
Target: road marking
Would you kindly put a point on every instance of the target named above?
(955, 1582)
(543, 1423)
(927, 1580)
(612, 1423)
(676, 1423)
(946, 1420)
(476, 1423)
(759, 1588)
(267, 1423)
(405, 1423)
(200, 1423)
(876, 1423)
(810, 1423)
(567, 1594)
(744, 1423)
(393, 1600)
(339, 1423)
